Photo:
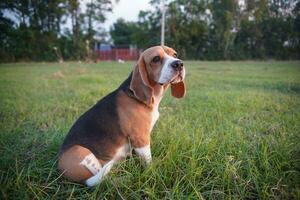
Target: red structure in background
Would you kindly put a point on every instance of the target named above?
(117, 54)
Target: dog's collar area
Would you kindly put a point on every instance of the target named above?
(131, 94)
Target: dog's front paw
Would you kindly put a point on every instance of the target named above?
(145, 154)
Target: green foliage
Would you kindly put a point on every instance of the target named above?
(234, 136)
(37, 29)
(206, 30)
(221, 29)
(95, 13)
(123, 33)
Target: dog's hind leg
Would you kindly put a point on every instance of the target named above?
(120, 154)
(78, 163)
(81, 165)
(97, 178)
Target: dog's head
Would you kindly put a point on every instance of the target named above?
(158, 65)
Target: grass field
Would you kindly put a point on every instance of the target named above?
(236, 135)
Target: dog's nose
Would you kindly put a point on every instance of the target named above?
(177, 65)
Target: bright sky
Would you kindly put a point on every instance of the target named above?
(126, 9)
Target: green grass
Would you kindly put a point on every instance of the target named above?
(236, 135)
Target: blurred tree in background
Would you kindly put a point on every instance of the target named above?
(124, 33)
(222, 29)
(198, 29)
(37, 31)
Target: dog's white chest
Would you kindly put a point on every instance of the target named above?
(155, 116)
(122, 152)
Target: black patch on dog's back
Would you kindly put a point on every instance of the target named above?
(98, 129)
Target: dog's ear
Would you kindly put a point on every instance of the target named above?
(178, 89)
(140, 84)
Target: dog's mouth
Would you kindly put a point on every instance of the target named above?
(175, 79)
(178, 78)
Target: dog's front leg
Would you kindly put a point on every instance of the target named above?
(141, 146)
(144, 153)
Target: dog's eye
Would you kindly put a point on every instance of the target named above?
(175, 55)
(156, 59)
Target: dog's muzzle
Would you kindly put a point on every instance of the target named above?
(177, 65)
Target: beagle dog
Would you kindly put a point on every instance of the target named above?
(122, 120)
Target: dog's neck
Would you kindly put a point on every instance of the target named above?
(158, 92)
